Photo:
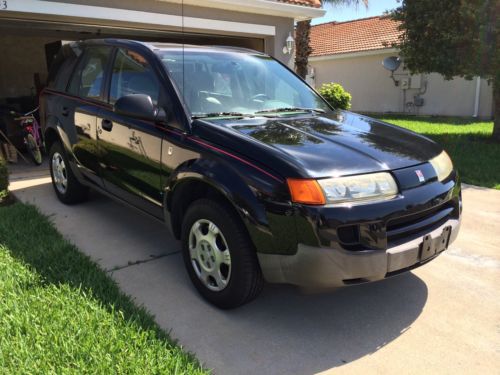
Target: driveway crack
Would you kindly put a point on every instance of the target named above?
(135, 263)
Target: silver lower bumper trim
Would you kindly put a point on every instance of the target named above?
(327, 267)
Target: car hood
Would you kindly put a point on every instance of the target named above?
(342, 143)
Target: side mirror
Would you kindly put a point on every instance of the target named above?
(136, 105)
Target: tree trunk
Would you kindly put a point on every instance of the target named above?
(303, 47)
(496, 112)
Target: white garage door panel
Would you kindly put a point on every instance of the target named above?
(50, 8)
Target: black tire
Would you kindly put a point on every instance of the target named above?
(75, 192)
(245, 281)
(33, 149)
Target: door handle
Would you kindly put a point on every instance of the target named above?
(107, 125)
(65, 111)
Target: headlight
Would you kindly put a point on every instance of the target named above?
(443, 165)
(367, 187)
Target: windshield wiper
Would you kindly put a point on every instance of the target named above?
(221, 114)
(291, 109)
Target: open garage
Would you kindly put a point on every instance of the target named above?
(31, 32)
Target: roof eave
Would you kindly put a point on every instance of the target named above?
(268, 7)
(345, 55)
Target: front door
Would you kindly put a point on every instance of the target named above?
(131, 162)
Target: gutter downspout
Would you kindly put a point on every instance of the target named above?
(476, 100)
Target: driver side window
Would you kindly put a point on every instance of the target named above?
(132, 74)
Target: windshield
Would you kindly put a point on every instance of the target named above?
(221, 83)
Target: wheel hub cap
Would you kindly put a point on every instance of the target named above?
(210, 255)
(59, 174)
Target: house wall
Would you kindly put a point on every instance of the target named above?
(373, 90)
(273, 44)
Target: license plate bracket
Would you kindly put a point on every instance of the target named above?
(432, 246)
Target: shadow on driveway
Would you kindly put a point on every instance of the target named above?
(283, 331)
(317, 332)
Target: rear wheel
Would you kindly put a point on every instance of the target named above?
(66, 186)
(219, 256)
(33, 149)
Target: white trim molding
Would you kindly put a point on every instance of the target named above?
(347, 55)
(77, 11)
(268, 7)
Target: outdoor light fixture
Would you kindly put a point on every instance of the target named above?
(290, 42)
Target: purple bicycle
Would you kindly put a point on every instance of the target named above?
(31, 134)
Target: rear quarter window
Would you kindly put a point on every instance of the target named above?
(62, 67)
(88, 77)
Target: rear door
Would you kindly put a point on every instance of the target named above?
(131, 162)
(86, 89)
(57, 108)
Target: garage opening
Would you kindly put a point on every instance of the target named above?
(29, 46)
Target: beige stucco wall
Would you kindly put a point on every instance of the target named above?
(373, 90)
(273, 44)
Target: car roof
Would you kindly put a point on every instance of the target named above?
(158, 46)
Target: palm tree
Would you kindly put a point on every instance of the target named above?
(302, 37)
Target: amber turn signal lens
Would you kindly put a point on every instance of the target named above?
(306, 191)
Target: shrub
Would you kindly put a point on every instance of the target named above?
(4, 175)
(336, 95)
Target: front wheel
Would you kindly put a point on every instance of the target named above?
(219, 255)
(33, 149)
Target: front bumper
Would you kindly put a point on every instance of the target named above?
(334, 267)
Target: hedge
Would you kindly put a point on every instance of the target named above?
(335, 94)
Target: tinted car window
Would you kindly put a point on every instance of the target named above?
(88, 77)
(61, 80)
(62, 66)
(132, 74)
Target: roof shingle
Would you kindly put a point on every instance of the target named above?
(310, 3)
(354, 36)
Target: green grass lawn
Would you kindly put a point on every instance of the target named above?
(466, 140)
(60, 313)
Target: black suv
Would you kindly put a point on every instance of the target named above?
(256, 174)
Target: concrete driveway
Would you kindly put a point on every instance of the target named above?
(441, 318)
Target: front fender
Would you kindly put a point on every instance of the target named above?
(259, 201)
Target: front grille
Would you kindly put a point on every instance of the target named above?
(408, 225)
(376, 235)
